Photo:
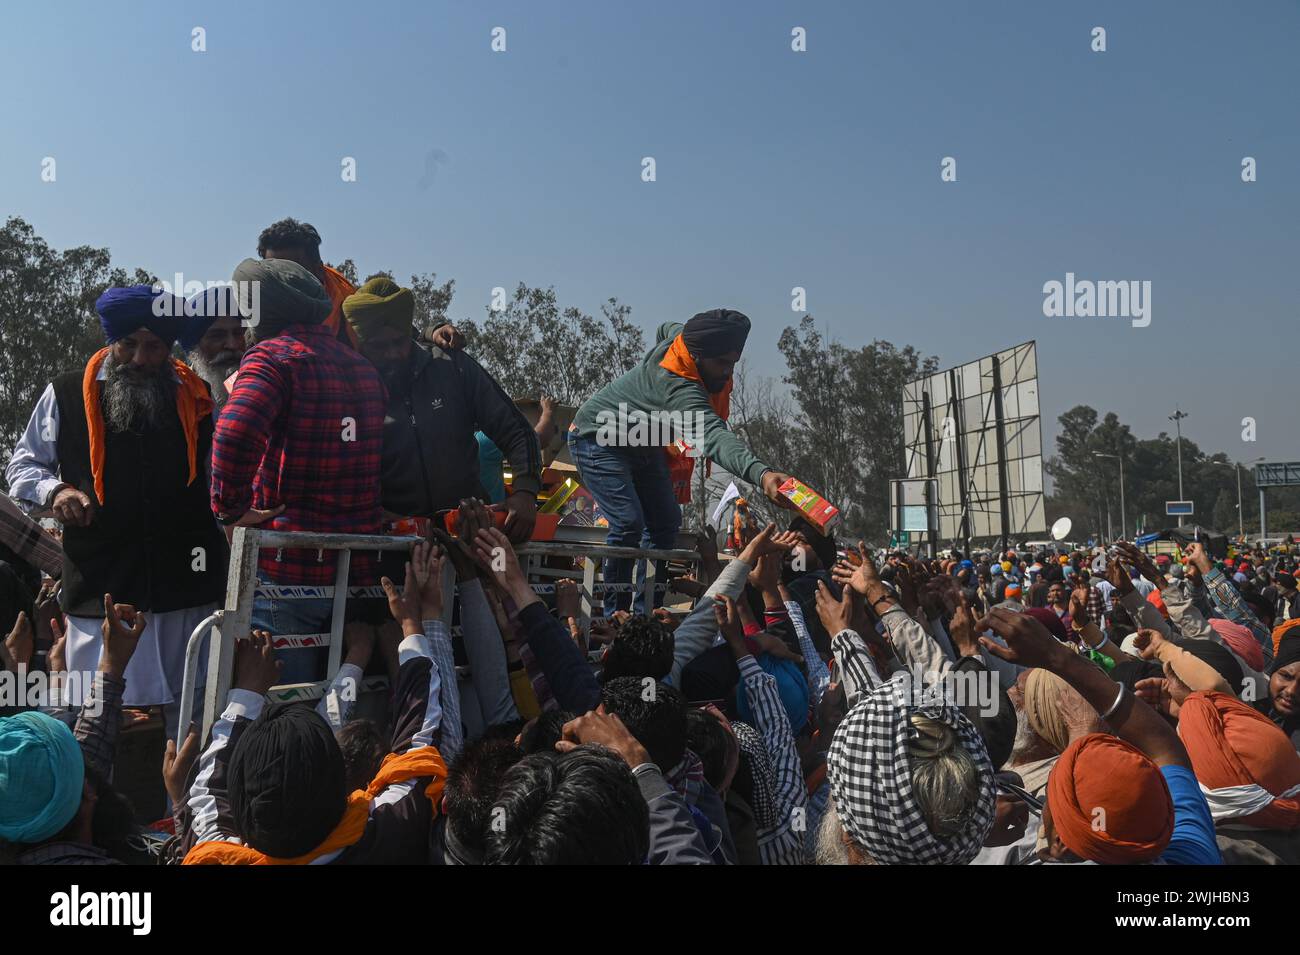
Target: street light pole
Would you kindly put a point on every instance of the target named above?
(1177, 418)
(1241, 511)
(1123, 527)
(1241, 515)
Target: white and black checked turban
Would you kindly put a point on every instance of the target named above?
(871, 781)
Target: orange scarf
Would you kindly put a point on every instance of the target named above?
(338, 288)
(413, 764)
(193, 404)
(681, 466)
(678, 360)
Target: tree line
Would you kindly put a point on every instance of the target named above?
(833, 417)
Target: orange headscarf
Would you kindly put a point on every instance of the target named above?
(193, 404)
(338, 288)
(413, 764)
(1233, 745)
(679, 361)
(1109, 803)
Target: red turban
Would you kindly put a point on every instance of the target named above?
(1110, 803)
(1247, 768)
(1240, 641)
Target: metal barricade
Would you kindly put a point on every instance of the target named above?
(227, 625)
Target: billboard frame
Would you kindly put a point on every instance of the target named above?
(978, 496)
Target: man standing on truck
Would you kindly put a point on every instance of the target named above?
(627, 439)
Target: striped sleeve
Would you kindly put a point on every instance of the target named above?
(209, 801)
(819, 675)
(783, 844)
(857, 667)
(453, 733)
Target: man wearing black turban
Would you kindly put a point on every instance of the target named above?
(272, 786)
(635, 441)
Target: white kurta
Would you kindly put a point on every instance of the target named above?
(156, 670)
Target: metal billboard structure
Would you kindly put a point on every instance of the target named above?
(1272, 474)
(975, 429)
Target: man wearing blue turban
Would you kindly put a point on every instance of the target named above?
(118, 453)
(212, 337)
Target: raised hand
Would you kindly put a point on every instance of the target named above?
(606, 730)
(56, 659)
(1197, 557)
(256, 668)
(1139, 559)
(447, 337)
(122, 628)
(426, 564)
(1148, 643)
(1118, 576)
(177, 764)
(765, 541)
(772, 482)
(728, 618)
(405, 605)
(1079, 606)
(766, 577)
(962, 631)
(1028, 642)
(568, 599)
(863, 578)
(835, 615)
(20, 645)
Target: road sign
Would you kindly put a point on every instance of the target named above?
(1179, 508)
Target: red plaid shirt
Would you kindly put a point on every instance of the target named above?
(303, 427)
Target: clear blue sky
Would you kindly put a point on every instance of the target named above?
(775, 168)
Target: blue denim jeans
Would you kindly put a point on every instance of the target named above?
(285, 615)
(632, 488)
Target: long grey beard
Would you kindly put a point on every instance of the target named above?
(137, 401)
(215, 373)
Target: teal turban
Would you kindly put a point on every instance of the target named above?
(41, 776)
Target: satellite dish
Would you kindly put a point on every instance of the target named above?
(1061, 529)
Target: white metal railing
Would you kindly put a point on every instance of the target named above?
(227, 625)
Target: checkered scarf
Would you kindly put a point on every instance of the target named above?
(872, 786)
(763, 800)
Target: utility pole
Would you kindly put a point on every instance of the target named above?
(1177, 418)
(1241, 515)
(1241, 511)
(1123, 527)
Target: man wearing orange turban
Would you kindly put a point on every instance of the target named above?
(1108, 803)
(1123, 799)
(1246, 766)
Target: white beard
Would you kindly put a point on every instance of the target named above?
(214, 374)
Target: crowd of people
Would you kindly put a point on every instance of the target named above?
(812, 702)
